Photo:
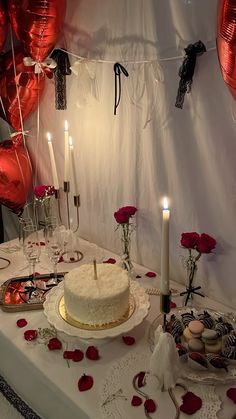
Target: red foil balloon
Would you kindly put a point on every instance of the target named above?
(226, 42)
(15, 174)
(3, 25)
(37, 24)
(30, 85)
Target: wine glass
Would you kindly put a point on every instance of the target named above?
(23, 222)
(54, 245)
(31, 246)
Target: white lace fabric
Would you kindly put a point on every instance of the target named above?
(117, 392)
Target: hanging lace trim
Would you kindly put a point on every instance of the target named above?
(62, 69)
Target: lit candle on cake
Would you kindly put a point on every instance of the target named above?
(66, 152)
(74, 185)
(95, 269)
(165, 249)
(53, 163)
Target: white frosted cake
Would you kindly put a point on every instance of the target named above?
(96, 302)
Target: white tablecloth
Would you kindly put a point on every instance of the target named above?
(42, 377)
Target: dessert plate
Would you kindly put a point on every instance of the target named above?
(188, 371)
(139, 308)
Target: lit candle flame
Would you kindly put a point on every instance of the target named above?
(70, 142)
(49, 137)
(165, 203)
(66, 126)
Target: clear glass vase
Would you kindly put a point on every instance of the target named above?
(191, 288)
(125, 248)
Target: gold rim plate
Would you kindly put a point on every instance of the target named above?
(65, 316)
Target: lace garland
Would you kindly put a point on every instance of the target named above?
(117, 392)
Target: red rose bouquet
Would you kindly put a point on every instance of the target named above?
(197, 244)
(43, 194)
(124, 217)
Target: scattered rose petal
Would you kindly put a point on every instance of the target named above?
(128, 340)
(151, 274)
(140, 376)
(231, 393)
(21, 323)
(110, 260)
(92, 353)
(42, 243)
(78, 355)
(173, 305)
(150, 406)
(61, 259)
(136, 401)
(30, 334)
(191, 403)
(54, 344)
(68, 354)
(85, 382)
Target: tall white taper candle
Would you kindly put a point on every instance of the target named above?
(66, 152)
(53, 164)
(165, 249)
(74, 184)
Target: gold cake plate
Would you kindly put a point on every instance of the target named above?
(57, 316)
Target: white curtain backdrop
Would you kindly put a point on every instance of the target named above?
(150, 149)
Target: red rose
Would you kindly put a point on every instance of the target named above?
(54, 344)
(189, 240)
(85, 382)
(92, 353)
(123, 214)
(40, 191)
(205, 244)
(21, 323)
(30, 334)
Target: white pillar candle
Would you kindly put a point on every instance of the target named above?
(73, 179)
(165, 249)
(66, 152)
(53, 164)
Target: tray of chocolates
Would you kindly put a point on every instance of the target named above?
(205, 341)
(27, 293)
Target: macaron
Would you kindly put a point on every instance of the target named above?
(196, 328)
(210, 336)
(196, 345)
(186, 334)
(215, 348)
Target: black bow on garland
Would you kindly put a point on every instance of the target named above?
(62, 69)
(118, 68)
(186, 70)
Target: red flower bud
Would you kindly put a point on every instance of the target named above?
(122, 215)
(189, 240)
(205, 244)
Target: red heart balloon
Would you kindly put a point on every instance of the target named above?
(37, 24)
(30, 87)
(15, 174)
(3, 25)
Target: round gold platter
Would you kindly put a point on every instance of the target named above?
(65, 316)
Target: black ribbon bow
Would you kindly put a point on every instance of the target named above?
(118, 68)
(186, 70)
(62, 69)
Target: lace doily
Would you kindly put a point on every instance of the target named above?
(117, 392)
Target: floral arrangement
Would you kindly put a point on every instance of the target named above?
(43, 194)
(197, 244)
(123, 217)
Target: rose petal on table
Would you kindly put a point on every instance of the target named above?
(231, 393)
(191, 403)
(68, 354)
(85, 382)
(151, 274)
(78, 355)
(54, 344)
(136, 401)
(128, 340)
(110, 260)
(30, 334)
(173, 305)
(21, 323)
(92, 353)
(150, 406)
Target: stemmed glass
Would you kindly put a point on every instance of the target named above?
(31, 246)
(54, 245)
